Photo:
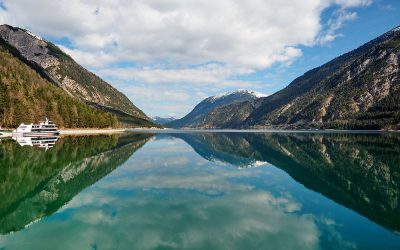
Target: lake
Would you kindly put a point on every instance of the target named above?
(202, 191)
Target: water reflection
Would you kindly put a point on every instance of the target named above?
(360, 171)
(35, 183)
(45, 142)
(210, 194)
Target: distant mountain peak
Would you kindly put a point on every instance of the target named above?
(237, 92)
(396, 29)
(33, 35)
(202, 110)
(163, 120)
(164, 117)
(16, 29)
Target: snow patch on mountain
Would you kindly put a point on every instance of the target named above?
(396, 29)
(33, 35)
(163, 120)
(239, 91)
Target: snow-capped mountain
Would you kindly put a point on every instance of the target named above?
(238, 92)
(162, 120)
(196, 117)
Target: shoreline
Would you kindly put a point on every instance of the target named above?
(92, 131)
(169, 130)
(89, 131)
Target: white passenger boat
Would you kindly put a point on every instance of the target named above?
(43, 129)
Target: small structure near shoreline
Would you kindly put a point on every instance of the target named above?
(43, 129)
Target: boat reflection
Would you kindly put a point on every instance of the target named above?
(45, 142)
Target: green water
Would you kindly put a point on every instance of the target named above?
(203, 191)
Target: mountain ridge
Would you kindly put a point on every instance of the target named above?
(60, 69)
(357, 90)
(25, 96)
(201, 110)
(163, 120)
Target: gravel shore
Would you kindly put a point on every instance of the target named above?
(90, 131)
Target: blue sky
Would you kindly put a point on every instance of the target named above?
(168, 55)
(371, 22)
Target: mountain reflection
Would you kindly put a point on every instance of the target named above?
(35, 183)
(359, 171)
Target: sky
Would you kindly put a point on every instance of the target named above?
(168, 55)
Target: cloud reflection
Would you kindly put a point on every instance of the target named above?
(176, 200)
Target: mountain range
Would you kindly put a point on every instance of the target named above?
(41, 80)
(198, 117)
(162, 120)
(357, 90)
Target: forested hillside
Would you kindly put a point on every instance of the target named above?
(62, 71)
(27, 97)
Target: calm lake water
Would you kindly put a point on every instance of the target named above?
(202, 191)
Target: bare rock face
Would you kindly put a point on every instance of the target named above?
(64, 72)
(30, 46)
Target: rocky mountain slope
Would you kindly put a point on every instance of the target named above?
(61, 70)
(27, 97)
(358, 90)
(196, 117)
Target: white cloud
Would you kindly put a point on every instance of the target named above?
(201, 75)
(175, 92)
(2, 13)
(353, 3)
(166, 41)
(95, 41)
(386, 7)
(92, 59)
(252, 33)
(334, 24)
(165, 93)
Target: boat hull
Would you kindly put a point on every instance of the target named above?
(35, 134)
